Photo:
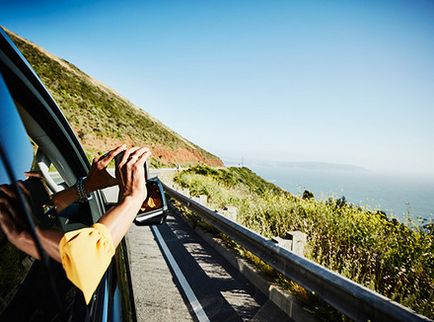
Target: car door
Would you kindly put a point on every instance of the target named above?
(35, 137)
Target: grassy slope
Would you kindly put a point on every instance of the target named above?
(101, 118)
(360, 244)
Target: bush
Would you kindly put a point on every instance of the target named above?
(392, 258)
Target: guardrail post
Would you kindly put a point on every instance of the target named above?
(294, 241)
(230, 212)
(202, 199)
(185, 192)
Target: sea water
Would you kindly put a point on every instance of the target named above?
(400, 197)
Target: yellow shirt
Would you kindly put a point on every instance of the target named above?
(86, 253)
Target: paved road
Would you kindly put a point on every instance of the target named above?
(161, 295)
(178, 277)
(157, 296)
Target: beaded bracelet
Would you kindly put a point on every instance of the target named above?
(83, 196)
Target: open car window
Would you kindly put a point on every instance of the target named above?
(49, 172)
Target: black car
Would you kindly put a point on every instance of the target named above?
(35, 136)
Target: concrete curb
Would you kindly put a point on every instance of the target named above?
(283, 299)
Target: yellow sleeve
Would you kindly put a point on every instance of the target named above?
(86, 253)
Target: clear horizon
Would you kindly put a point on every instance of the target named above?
(343, 83)
(333, 166)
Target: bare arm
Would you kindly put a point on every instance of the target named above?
(120, 217)
(132, 193)
(132, 184)
(132, 189)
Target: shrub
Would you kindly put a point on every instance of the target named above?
(392, 258)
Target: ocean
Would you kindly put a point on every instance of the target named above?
(400, 197)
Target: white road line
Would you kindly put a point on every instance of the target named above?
(194, 302)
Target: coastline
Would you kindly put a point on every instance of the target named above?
(400, 197)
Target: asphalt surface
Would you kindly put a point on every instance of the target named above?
(156, 294)
(223, 293)
(177, 276)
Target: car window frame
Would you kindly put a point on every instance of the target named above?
(18, 72)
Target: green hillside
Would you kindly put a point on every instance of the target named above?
(102, 118)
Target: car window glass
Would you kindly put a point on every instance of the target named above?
(13, 135)
(14, 264)
(18, 270)
(26, 171)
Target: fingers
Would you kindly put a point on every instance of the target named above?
(127, 155)
(11, 193)
(5, 205)
(137, 155)
(8, 191)
(34, 174)
(24, 189)
(134, 152)
(107, 157)
(142, 159)
(134, 158)
(130, 172)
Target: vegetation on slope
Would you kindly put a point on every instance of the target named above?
(101, 118)
(384, 255)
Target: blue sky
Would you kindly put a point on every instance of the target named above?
(336, 81)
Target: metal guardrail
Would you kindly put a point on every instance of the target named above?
(355, 301)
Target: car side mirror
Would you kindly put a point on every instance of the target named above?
(154, 209)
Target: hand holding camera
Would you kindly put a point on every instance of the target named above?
(131, 173)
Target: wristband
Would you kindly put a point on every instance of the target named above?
(83, 195)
